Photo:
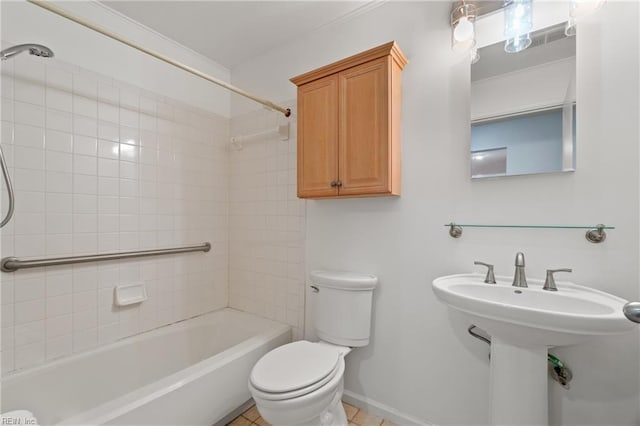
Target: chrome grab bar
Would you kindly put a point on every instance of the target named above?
(632, 311)
(12, 264)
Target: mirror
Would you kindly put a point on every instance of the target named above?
(523, 107)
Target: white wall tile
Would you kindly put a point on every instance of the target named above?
(128, 152)
(58, 120)
(108, 112)
(29, 355)
(59, 305)
(129, 135)
(85, 165)
(32, 310)
(29, 114)
(28, 333)
(129, 118)
(85, 84)
(85, 184)
(59, 181)
(58, 141)
(85, 126)
(28, 158)
(58, 347)
(59, 223)
(59, 244)
(29, 245)
(108, 132)
(108, 92)
(59, 79)
(85, 340)
(59, 326)
(59, 161)
(85, 203)
(85, 106)
(28, 289)
(30, 136)
(29, 92)
(59, 99)
(58, 284)
(85, 145)
(265, 272)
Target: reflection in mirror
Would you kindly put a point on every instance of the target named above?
(523, 107)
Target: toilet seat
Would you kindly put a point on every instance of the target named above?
(295, 369)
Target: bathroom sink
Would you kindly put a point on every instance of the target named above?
(523, 323)
(532, 316)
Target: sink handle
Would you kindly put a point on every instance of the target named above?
(490, 278)
(550, 282)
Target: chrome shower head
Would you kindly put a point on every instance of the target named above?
(34, 49)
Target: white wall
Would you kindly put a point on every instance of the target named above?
(24, 22)
(421, 361)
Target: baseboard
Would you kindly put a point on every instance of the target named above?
(381, 410)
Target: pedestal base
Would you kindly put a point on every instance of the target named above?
(518, 385)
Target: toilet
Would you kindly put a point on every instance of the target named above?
(301, 383)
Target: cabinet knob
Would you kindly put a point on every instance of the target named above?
(334, 184)
(339, 183)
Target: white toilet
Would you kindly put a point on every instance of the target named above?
(301, 383)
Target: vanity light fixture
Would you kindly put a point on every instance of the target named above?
(463, 17)
(518, 22)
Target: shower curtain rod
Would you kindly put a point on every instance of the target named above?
(59, 11)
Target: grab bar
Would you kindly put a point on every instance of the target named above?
(12, 264)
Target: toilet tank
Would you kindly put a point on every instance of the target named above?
(342, 306)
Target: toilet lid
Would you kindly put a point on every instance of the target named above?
(294, 366)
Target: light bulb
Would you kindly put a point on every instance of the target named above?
(463, 30)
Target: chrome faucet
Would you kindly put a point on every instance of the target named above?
(519, 279)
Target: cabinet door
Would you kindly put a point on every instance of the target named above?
(318, 138)
(364, 142)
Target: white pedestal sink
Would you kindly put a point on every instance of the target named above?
(523, 324)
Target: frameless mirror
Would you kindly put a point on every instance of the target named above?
(523, 107)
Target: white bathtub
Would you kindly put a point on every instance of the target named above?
(191, 373)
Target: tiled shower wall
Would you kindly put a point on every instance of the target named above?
(102, 166)
(267, 223)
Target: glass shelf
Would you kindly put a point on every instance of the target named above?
(595, 233)
(469, 225)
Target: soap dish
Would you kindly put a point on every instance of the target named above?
(130, 294)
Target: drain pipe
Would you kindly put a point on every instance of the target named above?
(557, 370)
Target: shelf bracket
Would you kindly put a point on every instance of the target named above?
(596, 235)
(454, 230)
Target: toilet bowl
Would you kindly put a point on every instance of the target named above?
(301, 383)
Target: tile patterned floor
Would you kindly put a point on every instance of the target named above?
(356, 417)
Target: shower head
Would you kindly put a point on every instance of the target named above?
(34, 49)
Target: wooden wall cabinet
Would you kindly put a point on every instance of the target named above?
(349, 126)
